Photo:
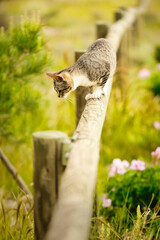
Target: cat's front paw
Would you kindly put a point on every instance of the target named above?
(96, 94)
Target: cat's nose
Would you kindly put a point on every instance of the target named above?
(59, 94)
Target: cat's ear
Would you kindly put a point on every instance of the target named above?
(50, 74)
(55, 76)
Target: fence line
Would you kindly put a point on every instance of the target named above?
(70, 218)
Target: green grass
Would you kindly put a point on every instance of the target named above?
(144, 226)
(129, 124)
(16, 219)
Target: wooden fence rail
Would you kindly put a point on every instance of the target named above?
(69, 217)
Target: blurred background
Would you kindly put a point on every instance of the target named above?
(39, 36)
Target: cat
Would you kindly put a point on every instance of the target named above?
(92, 69)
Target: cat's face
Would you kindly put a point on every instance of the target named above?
(63, 83)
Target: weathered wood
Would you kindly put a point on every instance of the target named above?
(102, 28)
(117, 16)
(81, 92)
(118, 29)
(71, 216)
(47, 171)
(74, 208)
(122, 54)
(138, 27)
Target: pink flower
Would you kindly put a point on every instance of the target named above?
(112, 172)
(106, 201)
(144, 73)
(137, 165)
(125, 163)
(158, 66)
(156, 153)
(118, 167)
(156, 125)
(104, 196)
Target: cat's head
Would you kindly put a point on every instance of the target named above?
(62, 82)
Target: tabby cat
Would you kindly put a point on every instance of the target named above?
(92, 69)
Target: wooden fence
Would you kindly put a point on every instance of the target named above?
(63, 204)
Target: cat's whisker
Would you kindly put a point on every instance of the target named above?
(64, 100)
(69, 99)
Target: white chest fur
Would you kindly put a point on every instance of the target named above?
(82, 80)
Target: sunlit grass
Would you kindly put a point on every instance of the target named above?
(16, 218)
(142, 226)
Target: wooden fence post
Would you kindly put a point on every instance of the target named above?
(122, 55)
(48, 168)
(81, 92)
(102, 28)
(118, 14)
(138, 28)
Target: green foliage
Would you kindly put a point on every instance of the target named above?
(23, 56)
(157, 53)
(154, 84)
(135, 205)
(132, 189)
(128, 131)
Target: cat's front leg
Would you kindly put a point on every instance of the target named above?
(97, 93)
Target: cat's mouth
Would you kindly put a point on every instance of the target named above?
(62, 95)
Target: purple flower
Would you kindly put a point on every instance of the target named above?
(118, 167)
(156, 125)
(156, 153)
(144, 73)
(106, 202)
(137, 165)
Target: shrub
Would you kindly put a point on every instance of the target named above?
(132, 189)
(154, 83)
(23, 56)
